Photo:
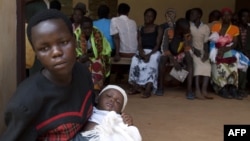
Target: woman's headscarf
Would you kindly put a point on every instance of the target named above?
(226, 9)
(170, 16)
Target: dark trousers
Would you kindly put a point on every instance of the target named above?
(243, 79)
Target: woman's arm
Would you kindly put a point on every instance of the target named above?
(157, 45)
(89, 126)
(165, 44)
(140, 49)
(206, 52)
(18, 118)
(206, 45)
(116, 39)
(235, 41)
(166, 50)
(223, 50)
(158, 40)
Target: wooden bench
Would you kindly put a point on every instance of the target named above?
(123, 61)
(122, 68)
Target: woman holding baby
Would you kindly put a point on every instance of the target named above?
(224, 70)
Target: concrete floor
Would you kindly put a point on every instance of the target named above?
(172, 117)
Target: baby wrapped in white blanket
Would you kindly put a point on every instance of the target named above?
(111, 128)
(217, 40)
(105, 123)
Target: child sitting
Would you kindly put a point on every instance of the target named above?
(106, 122)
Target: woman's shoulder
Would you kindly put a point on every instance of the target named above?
(30, 84)
(216, 27)
(217, 24)
(235, 27)
(27, 96)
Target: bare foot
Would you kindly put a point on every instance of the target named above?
(206, 96)
(146, 94)
(198, 95)
(133, 92)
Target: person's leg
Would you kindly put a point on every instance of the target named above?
(134, 75)
(189, 62)
(204, 87)
(198, 94)
(123, 69)
(242, 83)
(248, 80)
(148, 89)
(248, 75)
(161, 75)
(134, 89)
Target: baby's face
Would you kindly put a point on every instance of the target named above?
(110, 100)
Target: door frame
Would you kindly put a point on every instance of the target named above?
(20, 41)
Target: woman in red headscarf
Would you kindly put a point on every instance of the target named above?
(224, 71)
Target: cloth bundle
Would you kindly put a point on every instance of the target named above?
(111, 128)
(217, 41)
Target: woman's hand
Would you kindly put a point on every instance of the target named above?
(142, 54)
(167, 53)
(205, 57)
(177, 66)
(197, 52)
(127, 119)
(173, 61)
(146, 58)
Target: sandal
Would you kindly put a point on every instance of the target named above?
(199, 96)
(159, 92)
(190, 96)
(145, 96)
(208, 97)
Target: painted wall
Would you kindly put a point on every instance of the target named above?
(7, 54)
(138, 7)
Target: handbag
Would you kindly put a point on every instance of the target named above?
(180, 75)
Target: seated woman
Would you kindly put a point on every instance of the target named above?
(144, 66)
(225, 71)
(177, 51)
(108, 122)
(94, 49)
